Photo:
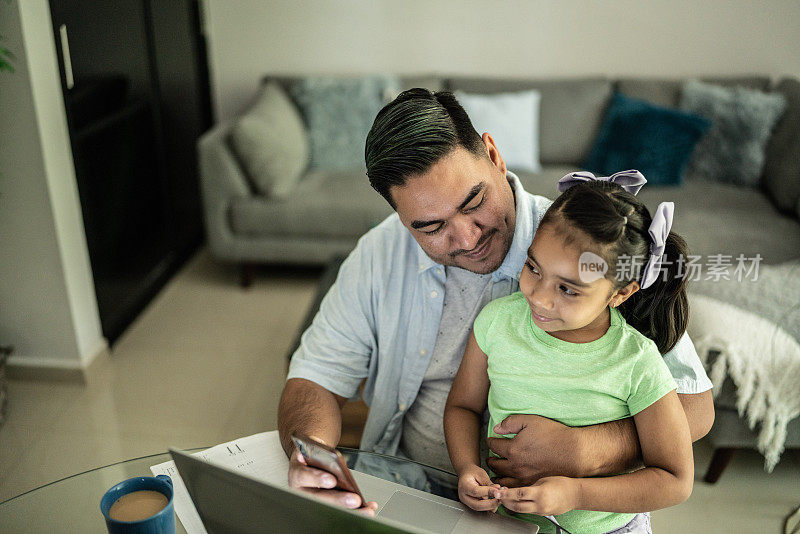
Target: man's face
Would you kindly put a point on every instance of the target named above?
(461, 212)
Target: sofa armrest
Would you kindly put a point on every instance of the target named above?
(221, 180)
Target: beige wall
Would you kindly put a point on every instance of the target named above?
(48, 309)
(672, 38)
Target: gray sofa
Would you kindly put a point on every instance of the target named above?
(328, 211)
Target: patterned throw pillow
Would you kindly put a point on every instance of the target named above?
(655, 140)
(339, 113)
(733, 149)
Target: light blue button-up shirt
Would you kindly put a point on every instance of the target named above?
(380, 320)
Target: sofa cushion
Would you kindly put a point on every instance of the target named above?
(667, 92)
(339, 113)
(571, 111)
(655, 140)
(781, 177)
(271, 143)
(324, 204)
(512, 119)
(733, 149)
(717, 218)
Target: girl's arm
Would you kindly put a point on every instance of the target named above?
(668, 475)
(465, 406)
(462, 423)
(666, 479)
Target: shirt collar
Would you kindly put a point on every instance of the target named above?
(523, 235)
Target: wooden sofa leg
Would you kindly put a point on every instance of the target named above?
(248, 272)
(720, 460)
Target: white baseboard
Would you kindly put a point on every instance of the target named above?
(51, 369)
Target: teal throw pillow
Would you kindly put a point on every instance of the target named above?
(338, 113)
(655, 140)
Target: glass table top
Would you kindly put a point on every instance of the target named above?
(72, 504)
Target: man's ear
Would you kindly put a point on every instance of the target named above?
(622, 294)
(493, 152)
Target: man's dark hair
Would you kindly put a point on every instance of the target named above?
(413, 132)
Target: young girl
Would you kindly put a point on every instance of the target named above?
(582, 345)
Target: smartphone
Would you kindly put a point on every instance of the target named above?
(317, 454)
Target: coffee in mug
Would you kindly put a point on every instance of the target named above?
(138, 505)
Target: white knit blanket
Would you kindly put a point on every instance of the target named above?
(760, 355)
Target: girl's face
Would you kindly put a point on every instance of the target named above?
(561, 303)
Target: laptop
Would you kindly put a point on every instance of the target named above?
(232, 502)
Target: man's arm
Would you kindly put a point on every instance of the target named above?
(326, 369)
(544, 447)
(699, 409)
(308, 408)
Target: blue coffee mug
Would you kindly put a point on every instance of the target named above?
(161, 523)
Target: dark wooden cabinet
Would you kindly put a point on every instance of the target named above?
(136, 91)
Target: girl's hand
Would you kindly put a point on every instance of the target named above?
(476, 490)
(549, 496)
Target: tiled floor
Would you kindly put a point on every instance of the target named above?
(206, 362)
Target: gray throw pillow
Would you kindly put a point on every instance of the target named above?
(339, 113)
(797, 209)
(271, 142)
(781, 177)
(742, 120)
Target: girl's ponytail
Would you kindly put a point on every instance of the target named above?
(661, 312)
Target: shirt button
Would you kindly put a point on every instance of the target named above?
(402, 406)
(434, 294)
(423, 352)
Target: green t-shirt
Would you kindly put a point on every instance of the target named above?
(577, 384)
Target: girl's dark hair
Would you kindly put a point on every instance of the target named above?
(617, 225)
(413, 132)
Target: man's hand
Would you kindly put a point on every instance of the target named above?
(477, 491)
(549, 496)
(541, 447)
(321, 483)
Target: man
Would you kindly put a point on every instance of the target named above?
(403, 305)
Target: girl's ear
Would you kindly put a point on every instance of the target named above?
(622, 294)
